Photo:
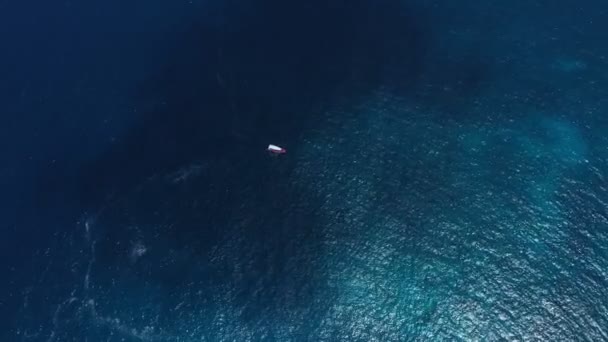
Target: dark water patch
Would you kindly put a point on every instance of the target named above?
(230, 87)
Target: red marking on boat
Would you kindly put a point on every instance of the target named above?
(276, 149)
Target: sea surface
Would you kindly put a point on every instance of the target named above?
(446, 176)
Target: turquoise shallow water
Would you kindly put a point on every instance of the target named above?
(445, 181)
(441, 229)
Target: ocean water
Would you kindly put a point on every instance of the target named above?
(444, 181)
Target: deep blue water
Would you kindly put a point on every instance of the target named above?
(445, 180)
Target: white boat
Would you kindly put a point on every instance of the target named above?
(276, 149)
